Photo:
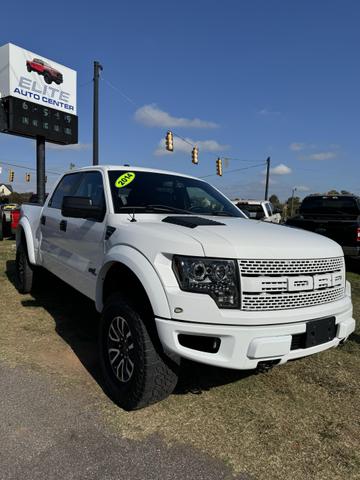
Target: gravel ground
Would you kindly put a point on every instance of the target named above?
(50, 431)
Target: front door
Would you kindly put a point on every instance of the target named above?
(73, 248)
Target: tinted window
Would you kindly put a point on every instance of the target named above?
(330, 205)
(144, 190)
(91, 185)
(67, 186)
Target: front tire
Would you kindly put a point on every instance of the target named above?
(136, 371)
(24, 271)
(47, 79)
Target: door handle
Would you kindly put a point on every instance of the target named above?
(43, 220)
(63, 225)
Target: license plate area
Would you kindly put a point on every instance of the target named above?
(320, 331)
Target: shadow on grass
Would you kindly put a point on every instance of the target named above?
(355, 338)
(76, 322)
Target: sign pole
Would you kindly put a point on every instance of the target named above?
(97, 68)
(267, 178)
(40, 169)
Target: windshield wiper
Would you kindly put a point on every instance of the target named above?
(154, 208)
(166, 208)
(223, 214)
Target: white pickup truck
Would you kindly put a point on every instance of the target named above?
(177, 271)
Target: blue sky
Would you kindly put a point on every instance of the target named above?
(243, 79)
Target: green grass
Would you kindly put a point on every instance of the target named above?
(299, 421)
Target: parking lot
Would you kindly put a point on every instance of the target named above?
(298, 421)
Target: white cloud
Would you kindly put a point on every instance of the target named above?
(280, 169)
(321, 156)
(152, 116)
(266, 112)
(296, 147)
(74, 147)
(183, 147)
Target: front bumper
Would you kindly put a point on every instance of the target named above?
(243, 347)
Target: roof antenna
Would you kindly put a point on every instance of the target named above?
(133, 219)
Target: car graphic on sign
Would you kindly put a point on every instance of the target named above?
(49, 73)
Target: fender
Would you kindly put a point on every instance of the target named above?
(143, 270)
(24, 225)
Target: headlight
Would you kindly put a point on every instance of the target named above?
(217, 278)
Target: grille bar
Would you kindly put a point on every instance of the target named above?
(290, 267)
(286, 301)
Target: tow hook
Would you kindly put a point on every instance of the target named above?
(264, 367)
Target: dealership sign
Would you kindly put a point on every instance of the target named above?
(29, 76)
(38, 96)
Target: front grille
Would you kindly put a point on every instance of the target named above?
(272, 284)
(264, 301)
(290, 267)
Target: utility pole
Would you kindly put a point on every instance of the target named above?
(292, 201)
(40, 169)
(267, 178)
(97, 69)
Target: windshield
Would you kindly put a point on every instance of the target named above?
(330, 205)
(148, 192)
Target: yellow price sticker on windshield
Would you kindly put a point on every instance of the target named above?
(124, 179)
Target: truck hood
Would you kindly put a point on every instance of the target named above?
(234, 238)
(243, 238)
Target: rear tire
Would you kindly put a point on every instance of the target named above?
(136, 371)
(24, 271)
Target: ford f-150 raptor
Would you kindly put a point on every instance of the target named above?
(176, 270)
(49, 73)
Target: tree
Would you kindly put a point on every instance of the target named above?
(345, 192)
(333, 192)
(292, 206)
(274, 200)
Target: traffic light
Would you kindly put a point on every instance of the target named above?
(195, 155)
(169, 141)
(219, 170)
(11, 175)
(27, 177)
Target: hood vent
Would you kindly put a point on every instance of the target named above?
(190, 221)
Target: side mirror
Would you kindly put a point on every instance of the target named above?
(81, 207)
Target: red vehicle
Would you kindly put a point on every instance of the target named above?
(49, 73)
(15, 217)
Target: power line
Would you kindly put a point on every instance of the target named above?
(135, 104)
(26, 168)
(235, 170)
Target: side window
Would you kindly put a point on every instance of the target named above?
(91, 185)
(200, 199)
(269, 209)
(66, 187)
